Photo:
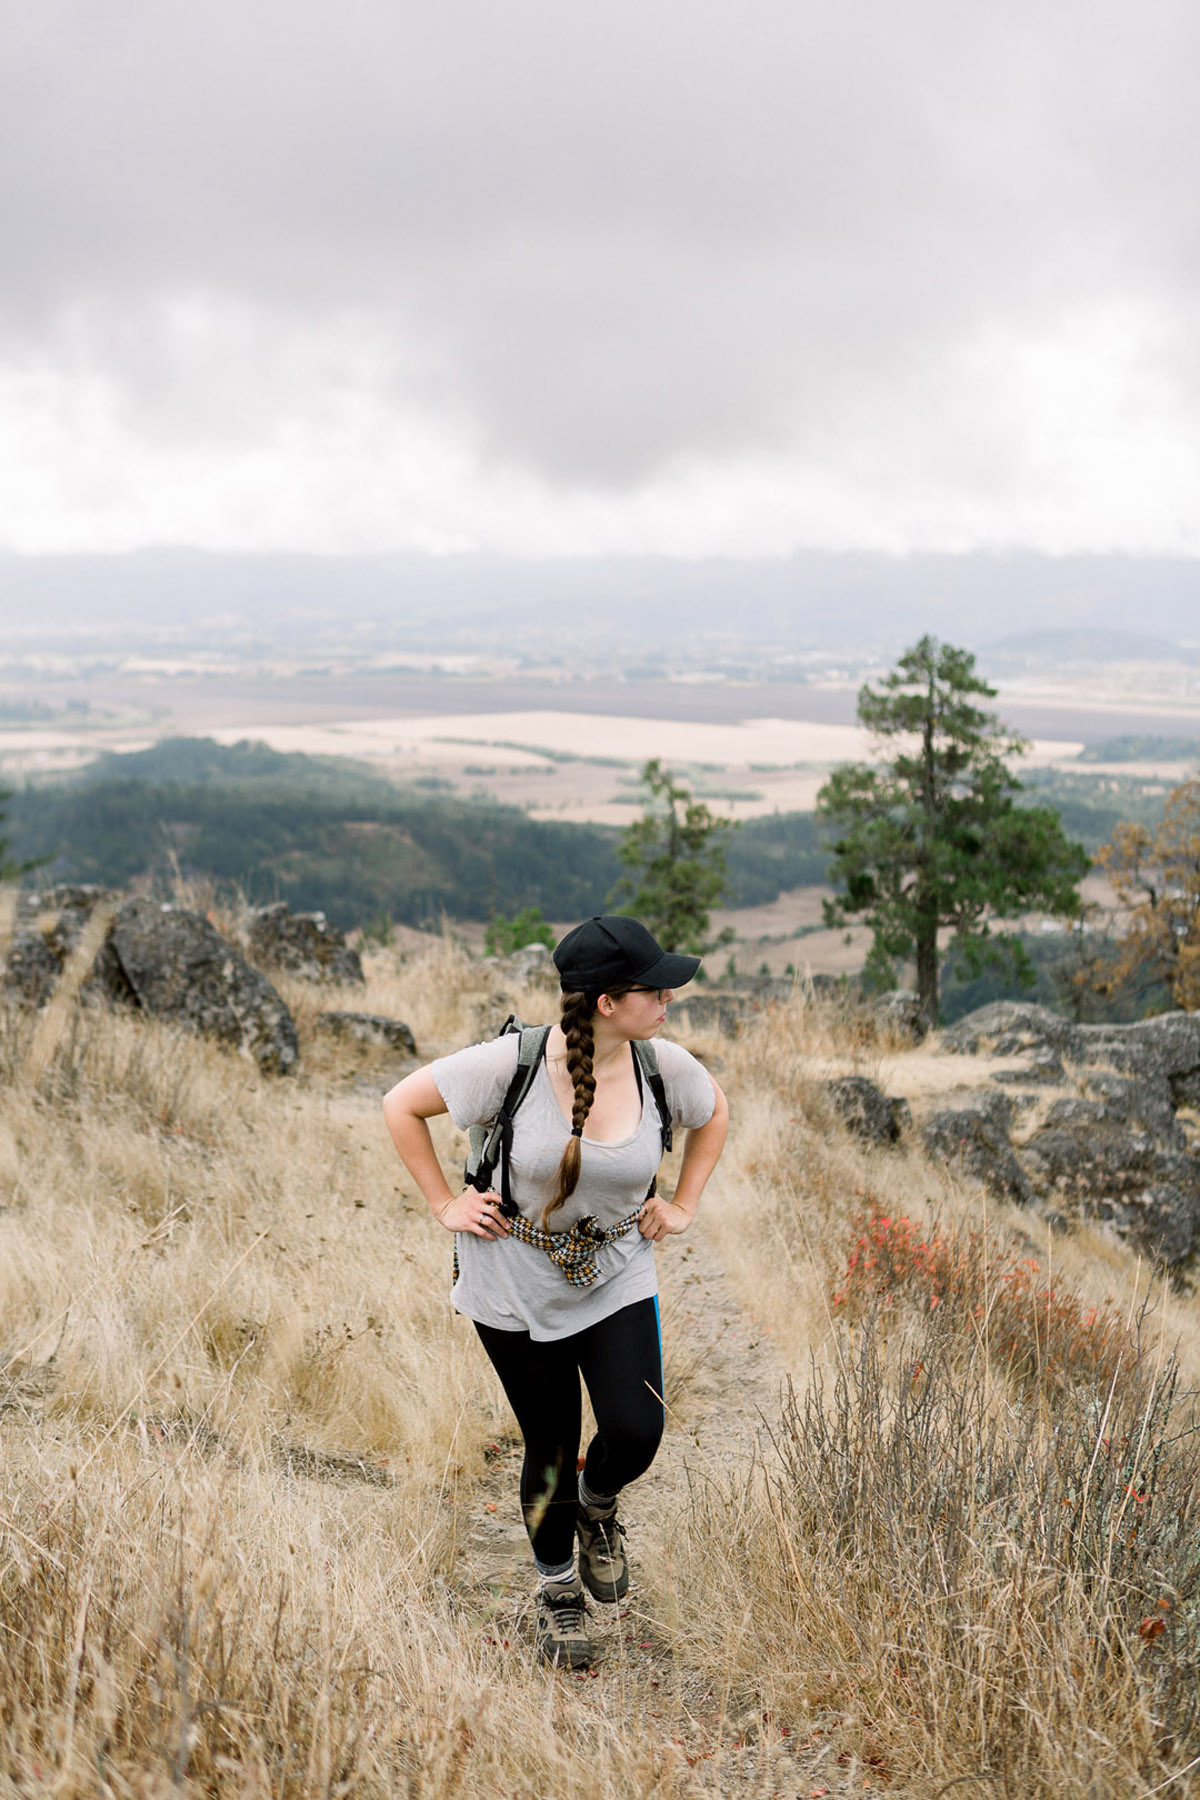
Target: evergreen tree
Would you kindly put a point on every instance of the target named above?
(9, 870)
(675, 855)
(931, 837)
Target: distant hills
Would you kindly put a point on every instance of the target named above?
(1085, 644)
(630, 605)
(333, 836)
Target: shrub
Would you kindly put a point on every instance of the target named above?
(504, 935)
(1037, 1332)
(1006, 1589)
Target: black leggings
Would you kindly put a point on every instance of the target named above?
(620, 1359)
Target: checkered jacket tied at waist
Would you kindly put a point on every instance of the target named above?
(574, 1251)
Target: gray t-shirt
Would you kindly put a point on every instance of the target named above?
(514, 1286)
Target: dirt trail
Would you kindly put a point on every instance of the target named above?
(723, 1390)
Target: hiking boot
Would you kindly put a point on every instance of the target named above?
(560, 1627)
(602, 1560)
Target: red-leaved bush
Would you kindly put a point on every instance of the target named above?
(1035, 1328)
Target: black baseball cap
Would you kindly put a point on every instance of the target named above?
(613, 951)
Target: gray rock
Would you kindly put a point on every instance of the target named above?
(972, 1139)
(31, 969)
(1163, 1220)
(177, 967)
(1118, 1152)
(829, 987)
(1167, 1046)
(1008, 1028)
(900, 1013)
(525, 967)
(303, 943)
(1043, 1068)
(73, 903)
(1148, 1103)
(771, 990)
(1088, 1164)
(867, 1111)
(369, 1028)
(724, 1011)
(37, 955)
(1185, 1089)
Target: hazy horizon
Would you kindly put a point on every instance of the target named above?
(811, 600)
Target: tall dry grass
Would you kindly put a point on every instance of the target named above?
(242, 1437)
(240, 1430)
(972, 1553)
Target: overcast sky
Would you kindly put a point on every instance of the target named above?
(649, 275)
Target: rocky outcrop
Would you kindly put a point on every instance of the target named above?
(1008, 1028)
(972, 1138)
(865, 1110)
(175, 965)
(50, 925)
(1168, 1045)
(530, 965)
(302, 943)
(371, 1029)
(1116, 1151)
(899, 1013)
(31, 969)
(716, 1009)
(1112, 1146)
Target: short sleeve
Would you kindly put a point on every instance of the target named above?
(473, 1082)
(688, 1086)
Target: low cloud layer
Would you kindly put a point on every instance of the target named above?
(546, 278)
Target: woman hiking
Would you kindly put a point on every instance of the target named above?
(557, 1271)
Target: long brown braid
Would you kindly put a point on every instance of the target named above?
(577, 1012)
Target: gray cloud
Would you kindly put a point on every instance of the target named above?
(601, 238)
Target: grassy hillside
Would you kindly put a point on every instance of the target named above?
(332, 835)
(251, 1465)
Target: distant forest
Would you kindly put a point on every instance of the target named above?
(331, 835)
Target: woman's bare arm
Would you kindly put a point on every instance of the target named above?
(406, 1110)
(701, 1149)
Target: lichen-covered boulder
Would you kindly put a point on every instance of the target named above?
(1168, 1045)
(1162, 1219)
(866, 1110)
(175, 965)
(31, 969)
(372, 1029)
(1117, 1151)
(723, 1011)
(972, 1139)
(303, 943)
(1008, 1028)
(899, 1013)
(527, 967)
(50, 925)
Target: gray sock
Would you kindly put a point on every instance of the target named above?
(600, 1502)
(560, 1572)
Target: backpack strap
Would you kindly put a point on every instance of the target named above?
(645, 1064)
(494, 1143)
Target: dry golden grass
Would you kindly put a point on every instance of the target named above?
(974, 1554)
(240, 1430)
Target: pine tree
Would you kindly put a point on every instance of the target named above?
(931, 838)
(675, 854)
